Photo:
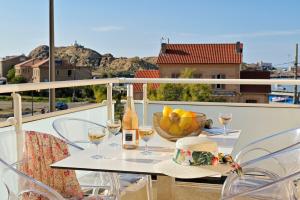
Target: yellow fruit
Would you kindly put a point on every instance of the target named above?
(175, 130)
(166, 111)
(195, 124)
(186, 120)
(174, 117)
(165, 123)
(180, 112)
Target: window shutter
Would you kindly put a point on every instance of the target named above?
(223, 76)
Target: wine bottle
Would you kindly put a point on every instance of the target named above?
(130, 136)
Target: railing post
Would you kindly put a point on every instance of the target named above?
(17, 120)
(109, 101)
(17, 100)
(145, 105)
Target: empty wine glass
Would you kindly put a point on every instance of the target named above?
(96, 135)
(146, 133)
(225, 119)
(114, 127)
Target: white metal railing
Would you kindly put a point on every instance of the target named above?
(14, 88)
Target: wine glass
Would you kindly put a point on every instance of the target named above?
(114, 127)
(146, 133)
(225, 119)
(96, 135)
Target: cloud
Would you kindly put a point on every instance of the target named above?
(107, 28)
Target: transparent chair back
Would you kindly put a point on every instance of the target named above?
(264, 146)
(74, 131)
(261, 181)
(18, 184)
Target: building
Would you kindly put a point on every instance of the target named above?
(138, 88)
(219, 61)
(8, 62)
(37, 70)
(255, 93)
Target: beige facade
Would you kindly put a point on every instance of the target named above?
(254, 98)
(8, 62)
(228, 71)
(36, 70)
(24, 71)
(62, 74)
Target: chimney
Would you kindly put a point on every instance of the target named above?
(163, 48)
(238, 47)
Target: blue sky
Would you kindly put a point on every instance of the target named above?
(269, 29)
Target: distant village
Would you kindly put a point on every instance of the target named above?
(218, 61)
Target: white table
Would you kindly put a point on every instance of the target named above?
(132, 161)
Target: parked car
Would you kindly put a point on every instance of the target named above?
(61, 106)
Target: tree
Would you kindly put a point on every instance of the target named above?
(18, 79)
(10, 74)
(185, 92)
(99, 93)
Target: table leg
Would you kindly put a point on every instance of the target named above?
(149, 188)
(165, 188)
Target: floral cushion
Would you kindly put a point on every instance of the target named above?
(42, 150)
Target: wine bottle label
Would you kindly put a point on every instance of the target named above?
(129, 137)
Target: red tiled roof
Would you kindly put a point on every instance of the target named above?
(200, 54)
(138, 87)
(34, 62)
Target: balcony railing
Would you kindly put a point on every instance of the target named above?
(15, 88)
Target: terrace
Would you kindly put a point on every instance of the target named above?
(254, 120)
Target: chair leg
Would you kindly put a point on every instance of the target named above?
(149, 188)
(116, 185)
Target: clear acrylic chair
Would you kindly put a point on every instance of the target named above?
(272, 175)
(267, 145)
(75, 132)
(15, 173)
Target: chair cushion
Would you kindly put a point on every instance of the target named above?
(42, 150)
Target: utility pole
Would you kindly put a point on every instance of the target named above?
(296, 95)
(51, 55)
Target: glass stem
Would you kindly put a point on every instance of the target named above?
(225, 130)
(146, 147)
(98, 149)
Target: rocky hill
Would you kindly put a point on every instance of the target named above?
(103, 65)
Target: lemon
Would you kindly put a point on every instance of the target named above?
(186, 120)
(195, 124)
(180, 112)
(166, 111)
(174, 117)
(175, 130)
(165, 123)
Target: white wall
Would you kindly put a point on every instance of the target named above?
(255, 122)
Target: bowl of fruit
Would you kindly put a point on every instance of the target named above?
(178, 123)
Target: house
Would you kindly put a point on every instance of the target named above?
(8, 62)
(219, 61)
(138, 87)
(255, 93)
(37, 70)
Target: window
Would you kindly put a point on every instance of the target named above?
(69, 73)
(219, 86)
(175, 75)
(197, 75)
(251, 101)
